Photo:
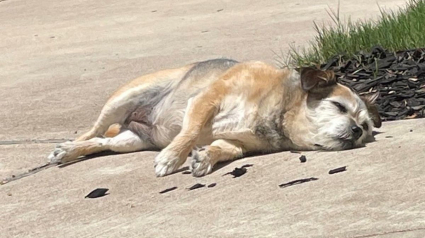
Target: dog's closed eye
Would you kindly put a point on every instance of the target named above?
(341, 108)
(365, 126)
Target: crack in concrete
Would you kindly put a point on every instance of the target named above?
(33, 141)
(28, 173)
(389, 232)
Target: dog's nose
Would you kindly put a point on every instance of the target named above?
(357, 132)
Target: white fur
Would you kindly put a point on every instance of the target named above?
(126, 141)
(167, 161)
(201, 163)
(118, 109)
(330, 124)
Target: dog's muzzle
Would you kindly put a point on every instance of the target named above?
(356, 131)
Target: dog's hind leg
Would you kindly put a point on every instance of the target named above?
(110, 114)
(116, 111)
(126, 141)
(145, 90)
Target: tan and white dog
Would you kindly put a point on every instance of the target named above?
(221, 109)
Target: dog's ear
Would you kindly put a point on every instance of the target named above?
(312, 78)
(370, 99)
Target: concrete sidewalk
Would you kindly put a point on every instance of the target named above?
(380, 193)
(60, 61)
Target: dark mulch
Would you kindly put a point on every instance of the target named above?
(398, 76)
(98, 192)
(237, 172)
(298, 181)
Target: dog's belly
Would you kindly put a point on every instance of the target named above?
(236, 120)
(166, 124)
(230, 123)
(163, 108)
(170, 120)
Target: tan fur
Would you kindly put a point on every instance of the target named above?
(113, 130)
(227, 109)
(369, 100)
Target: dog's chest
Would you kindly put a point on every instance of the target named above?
(230, 117)
(270, 130)
(249, 122)
(234, 114)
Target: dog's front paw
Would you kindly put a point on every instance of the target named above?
(62, 153)
(167, 161)
(201, 163)
(56, 156)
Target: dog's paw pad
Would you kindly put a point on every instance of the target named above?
(201, 163)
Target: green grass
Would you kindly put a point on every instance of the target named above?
(399, 30)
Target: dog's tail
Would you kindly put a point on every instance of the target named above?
(113, 130)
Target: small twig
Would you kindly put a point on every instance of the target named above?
(168, 190)
(388, 232)
(298, 181)
(337, 170)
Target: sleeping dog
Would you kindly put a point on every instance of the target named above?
(220, 109)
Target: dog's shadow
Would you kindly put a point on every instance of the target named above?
(93, 156)
(183, 170)
(224, 164)
(219, 166)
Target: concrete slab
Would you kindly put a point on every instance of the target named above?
(61, 60)
(380, 193)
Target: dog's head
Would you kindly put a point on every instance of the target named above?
(340, 119)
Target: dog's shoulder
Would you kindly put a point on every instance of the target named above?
(258, 74)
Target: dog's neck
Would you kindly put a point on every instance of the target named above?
(291, 121)
(297, 120)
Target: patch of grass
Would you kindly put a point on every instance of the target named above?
(399, 30)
